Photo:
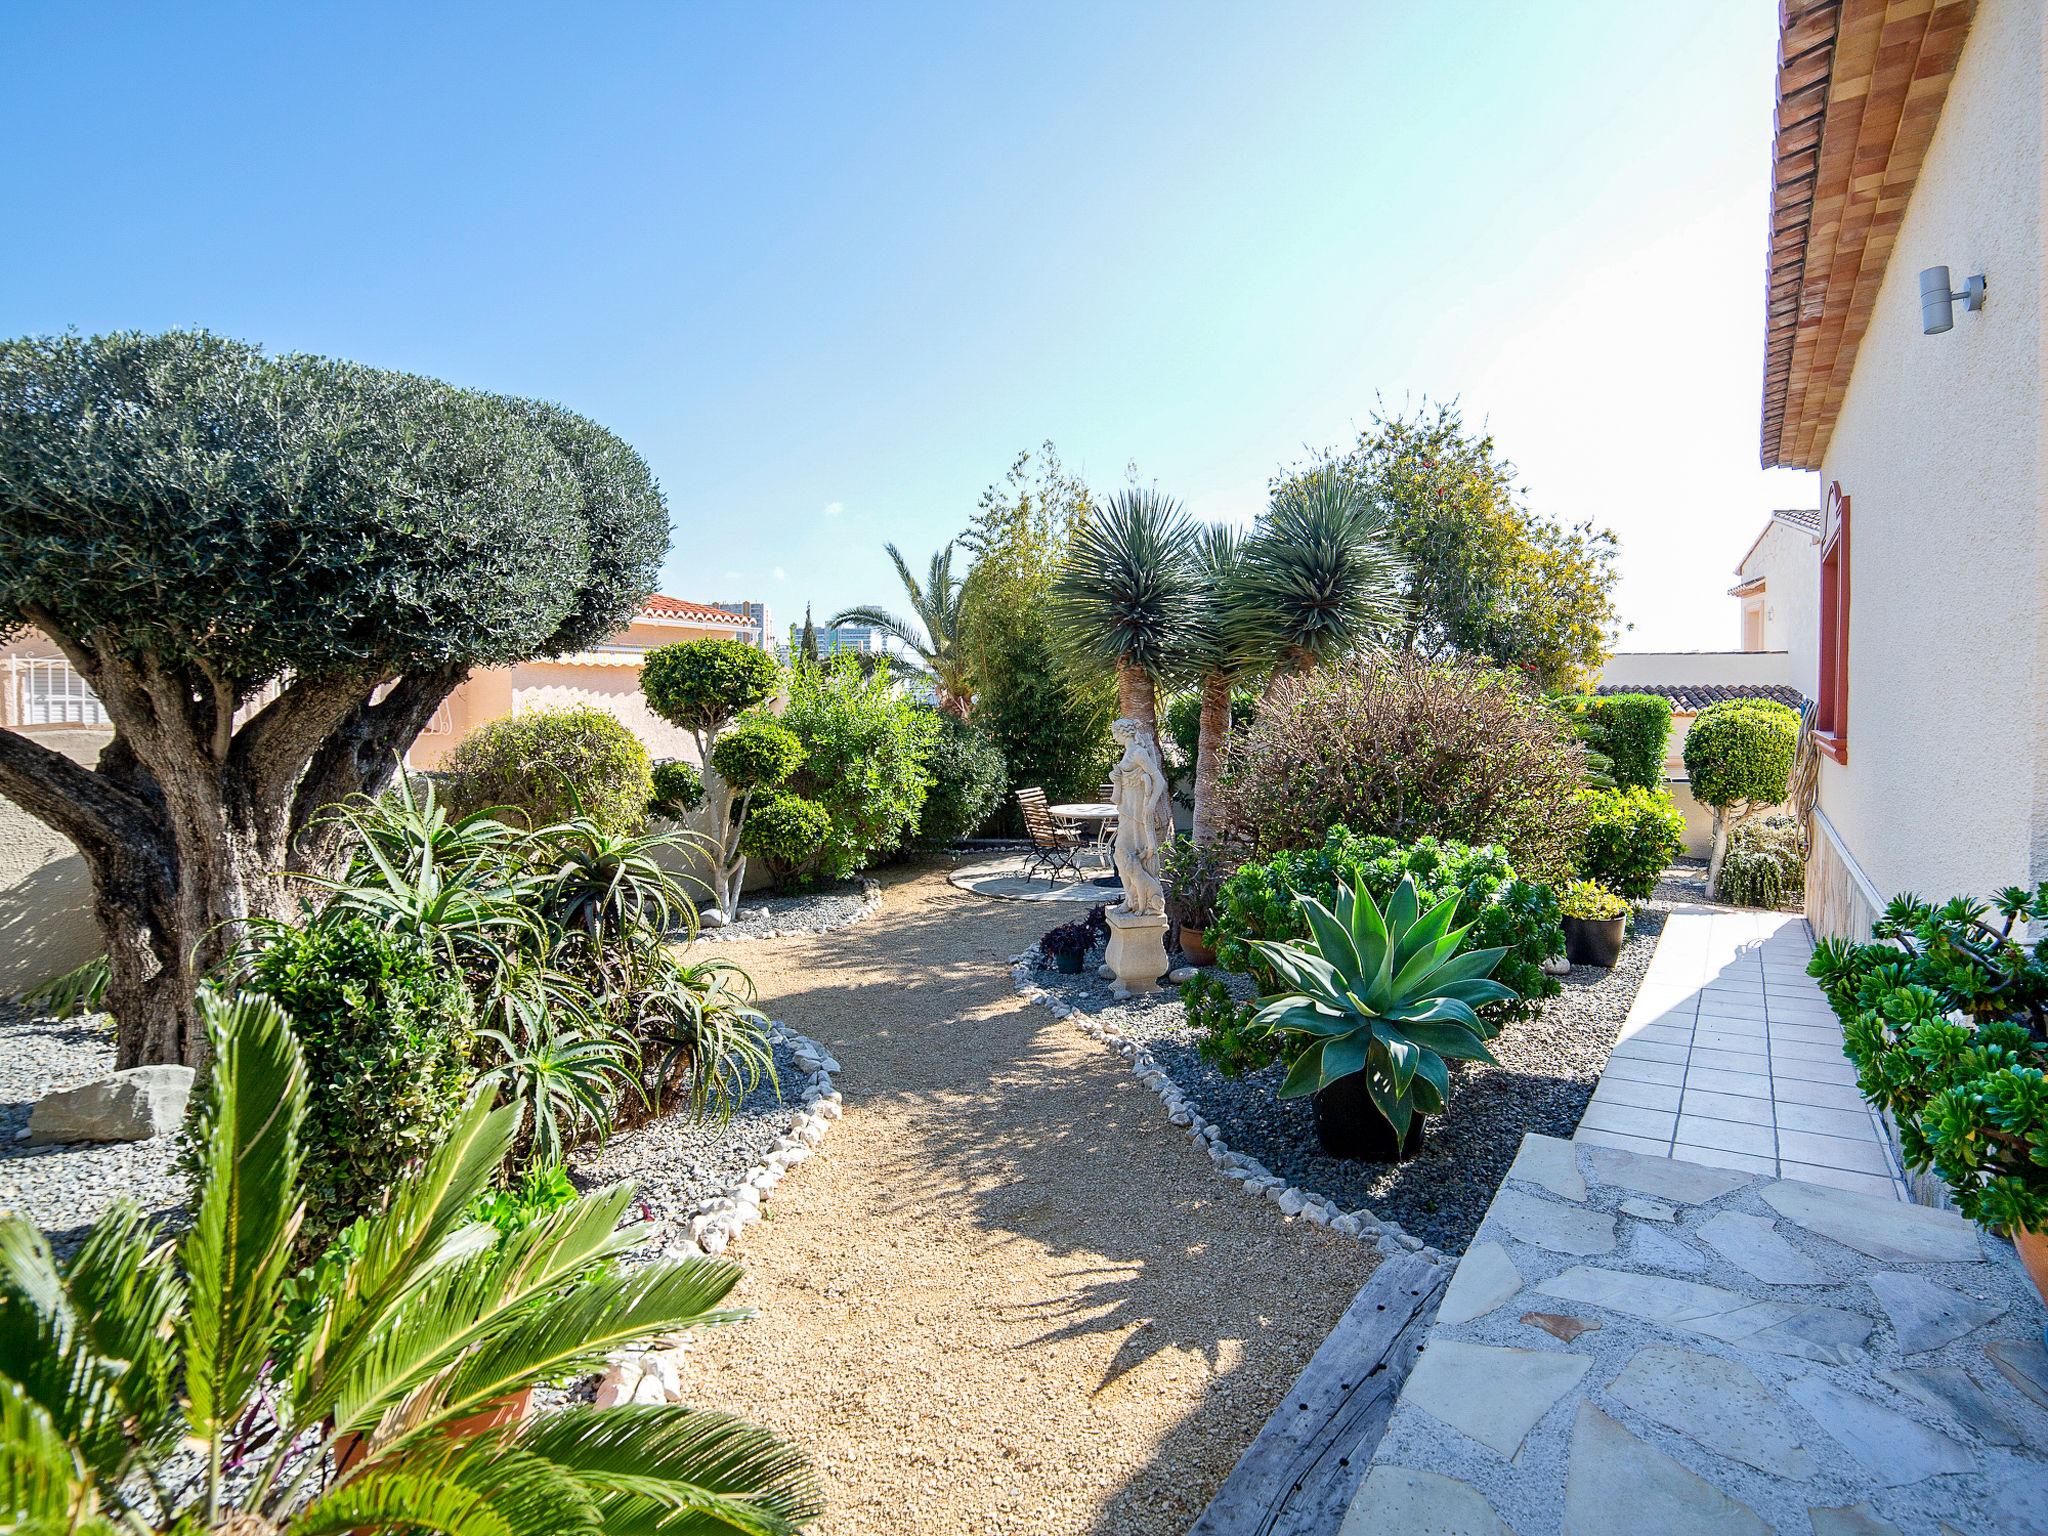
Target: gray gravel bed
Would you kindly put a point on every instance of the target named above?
(64, 1189)
(1548, 1067)
(678, 1163)
(768, 916)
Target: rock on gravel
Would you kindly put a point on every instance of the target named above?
(1548, 1067)
(64, 1187)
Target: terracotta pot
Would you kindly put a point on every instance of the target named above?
(506, 1410)
(2033, 1247)
(1350, 1125)
(1594, 940)
(1194, 946)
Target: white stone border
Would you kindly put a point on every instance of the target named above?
(654, 1375)
(1250, 1175)
(870, 899)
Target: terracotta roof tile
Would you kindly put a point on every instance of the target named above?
(1691, 698)
(660, 606)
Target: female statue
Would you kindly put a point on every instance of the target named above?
(1144, 819)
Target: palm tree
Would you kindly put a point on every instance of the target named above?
(201, 1388)
(1321, 576)
(934, 634)
(1125, 595)
(1216, 651)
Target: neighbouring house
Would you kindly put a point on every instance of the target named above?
(1778, 585)
(1908, 164)
(607, 676)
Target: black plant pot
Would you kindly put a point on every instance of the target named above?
(1350, 1125)
(1594, 940)
(1067, 963)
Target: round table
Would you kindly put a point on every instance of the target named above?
(1100, 813)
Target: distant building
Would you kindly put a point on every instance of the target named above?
(1779, 587)
(863, 640)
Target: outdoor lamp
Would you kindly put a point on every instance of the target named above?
(1938, 305)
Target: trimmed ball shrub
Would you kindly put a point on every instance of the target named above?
(1631, 835)
(968, 780)
(387, 1032)
(785, 831)
(1739, 752)
(1633, 731)
(1408, 750)
(701, 684)
(552, 764)
(757, 753)
(865, 745)
(678, 789)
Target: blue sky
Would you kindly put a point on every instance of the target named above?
(829, 267)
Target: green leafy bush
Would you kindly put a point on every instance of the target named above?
(1589, 901)
(1765, 865)
(678, 789)
(865, 746)
(1632, 730)
(1182, 729)
(757, 753)
(787, 832)
(1408, 750)
(699, 685)
(968, 781)
(1739, 753)
(552, 764)
(387, 1032)
(1260, 901)
(1631, 835)
(1943, 1018)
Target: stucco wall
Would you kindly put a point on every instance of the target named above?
(46, 925)
(1938, 445)
(1789, 562)
(1634, 669)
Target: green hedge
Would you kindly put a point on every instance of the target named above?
(1631, 835)
(968, 778)
(1740, 751)
(1633, 731)
(786, 831)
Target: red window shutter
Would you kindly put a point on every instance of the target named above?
(1831, 711)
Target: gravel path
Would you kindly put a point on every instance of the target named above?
(839, 905)
(1006, 1296)
(1548, 1068)
(64, 1189)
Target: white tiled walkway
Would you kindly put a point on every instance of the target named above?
(1731, 1056)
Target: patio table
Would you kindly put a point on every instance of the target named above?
(1100, 813)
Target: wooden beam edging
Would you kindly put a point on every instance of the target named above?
(1302, 1472)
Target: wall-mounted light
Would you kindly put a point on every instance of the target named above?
(1938, 305)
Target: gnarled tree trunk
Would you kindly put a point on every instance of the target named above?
(1209, 748)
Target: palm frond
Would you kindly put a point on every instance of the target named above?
(42, 1485)
(909, 632)
(1126, 591)
(486, 1488)
(1320, 575)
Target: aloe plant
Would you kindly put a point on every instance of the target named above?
(1388, 994)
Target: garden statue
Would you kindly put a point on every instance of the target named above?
(1144, 825)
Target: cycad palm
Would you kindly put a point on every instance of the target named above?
(1125, 594)
(1321, 575)
(935, 634)
(118, 1363)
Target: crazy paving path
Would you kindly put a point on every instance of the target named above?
(1008, 1296)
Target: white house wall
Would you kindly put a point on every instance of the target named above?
(1788, 559)
(1939, 446)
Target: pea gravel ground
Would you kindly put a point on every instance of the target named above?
(1008, 1296)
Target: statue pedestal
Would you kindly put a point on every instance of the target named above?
(1137, 950)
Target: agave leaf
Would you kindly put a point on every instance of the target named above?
(1403, 1056)
(1474, 962)
(1306, 1075)
(1441, 1010)
(1432, 1085)
(1345, 1055)
(1368, 933)
(1448, 1040)
(1477, 992)
(1398, 1107)
(1402, 907)
(1303, 1015)
(1425, 931)
(1332, 939)
(1307, 970)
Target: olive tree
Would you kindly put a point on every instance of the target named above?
(1738, 756)
(702, 686)
(272, 571)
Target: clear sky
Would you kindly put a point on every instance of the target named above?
(828, 267)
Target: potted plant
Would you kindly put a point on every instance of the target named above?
(1378, 1001)
(1946, 1019)
(1192, 874)
(1068, 945)
(1595, 922)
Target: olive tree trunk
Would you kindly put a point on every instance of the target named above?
(191, 824)
(1209, 747)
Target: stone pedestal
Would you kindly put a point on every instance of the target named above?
(1137, 950)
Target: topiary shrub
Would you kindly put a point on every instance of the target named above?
(1766, 864)
(1632, 730)
(1631, 835)
(387, 1032)
(552, 764)
(678, 789)
(968, 781)
(757, 754)
(1739, 758)
(786, 832)
(865, 745)
(1407, 750)
(703, 685)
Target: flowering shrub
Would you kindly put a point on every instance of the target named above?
(1406, 750)
(1631, 834)
(1943, 1017)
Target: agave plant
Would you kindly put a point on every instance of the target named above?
(604, 885)
(188, 1388)
(1389, 995)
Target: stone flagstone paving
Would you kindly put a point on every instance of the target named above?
(1635, 1343)
(1730, 1056)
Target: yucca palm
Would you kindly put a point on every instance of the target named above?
(1125, 593)
(197, 1387)
(1217, 649)
(1321, 576)
(934, 634)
